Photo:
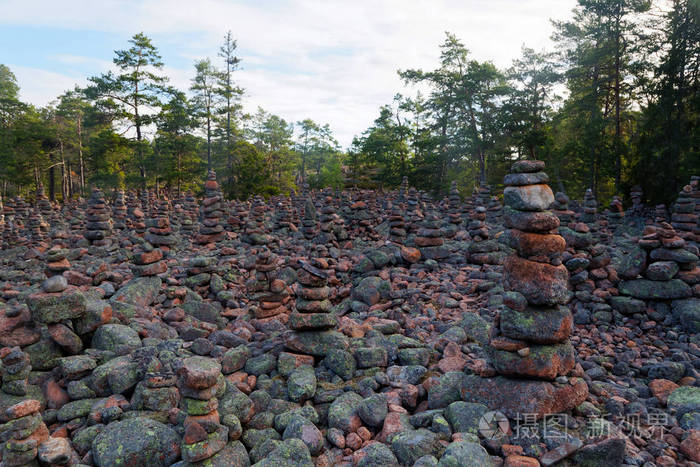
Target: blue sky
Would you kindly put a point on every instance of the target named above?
(329, 60)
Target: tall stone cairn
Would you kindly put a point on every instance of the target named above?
(25, 436)
(454, 211)
(137, 220)
(561, 208)
(98, 227)
(590, 207)
(636, 197)
(684, 217)
(160, 233)
(534, 326)
(309, 222)
(119, 211)
(616, 213)
(211, 213)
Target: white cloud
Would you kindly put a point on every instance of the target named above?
(330, 60)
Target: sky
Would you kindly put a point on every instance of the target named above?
(332, 61)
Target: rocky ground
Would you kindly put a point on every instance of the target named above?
(351, 328)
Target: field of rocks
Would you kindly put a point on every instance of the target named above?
(354, 328)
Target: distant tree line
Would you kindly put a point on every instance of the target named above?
(615, 104)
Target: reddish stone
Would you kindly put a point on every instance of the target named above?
(521, 461)
(691, 446)
(662, 388)
(410, 255)
(194, 433)
(353, 441)
(21, 409)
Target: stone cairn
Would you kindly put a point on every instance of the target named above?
(530, 336)
(238, 212)
(119, 211)
(685, 217)
(160, 233)
(2, 218)
(56, 261)
(98, 228)
(616, 213)
(136, 215)
(666, 260)
(481, 250)
(24, 436)
(454, 211)
(15, 371)
(255, 228)
(636, 197)
(590, 208)
(264, 287)
(494, 210)
(43, 203)
(309, 223)
(560, 207)
(284, 218)
(148, 261)
(37, 227)
(211, 213)
(199, 381)
(429, 238)
(332, 226)
(397, 225)
(477, 225)
(313, 318)
(661, 214)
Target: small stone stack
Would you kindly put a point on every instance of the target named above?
(590, 208)
(660, 214)
(199, 380)
(529, 339)
(429, 238)
(309, 223)
(667, 259)
(119, 211)
(477, 225)
(43, 203)
(148, 261)
(2, 218)
(560, 207)
(636, 197)
(494, 210)
(454, 211)
(616, 213)
(56, 261)
(99, 223)
(255, 228)
(21, 208)
(313, 315)
(413, 212)
(397, 225)
(331, 224)
(37, 227)
(137, 218)
(188, 221)
(23, 434)
(160, 233)
(15, 371)
(403, 189)
(284, 218)
(211, 213)
(482, 195)
(684, 217)
(266, 289)
(238, 212)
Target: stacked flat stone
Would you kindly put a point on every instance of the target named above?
(430, 238)
(160, 233)
(312, 320)
(636, 197)
(483, 195)
(616, 213)
(188, 218)
(238, 212)
(21, 208)
(37, 227)
(255, 227)
(309, 223)
(590, 208)
(397, 225)
(148, 261)
(535, 324)
(667, 261)
(284, 218)
(137, 218)
(494, 210)
(660, 214)
(43, 203)
(454, 211)
(56, 261)
(560, 207)
(119, 211)
(414, 216)
(403, 189)
(211, 213)
(199, 380)
(332, 226)
(684, 217)
(23, 434)
(266, 289)
(2, 218)
(477, 225)
(98, 228)
(15, 371)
